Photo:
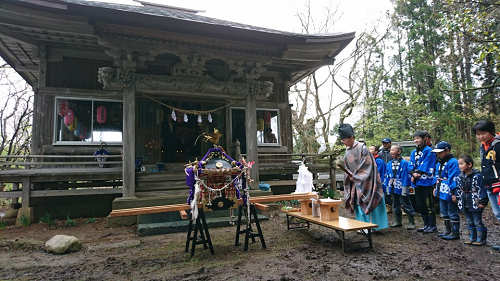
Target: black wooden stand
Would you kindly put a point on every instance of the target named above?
(248, 230)
(203, 238)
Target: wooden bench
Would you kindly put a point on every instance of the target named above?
(341, 226)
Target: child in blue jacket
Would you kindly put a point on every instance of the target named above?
(445, 176)
(397, 180)
(472, 198)
(421, 169)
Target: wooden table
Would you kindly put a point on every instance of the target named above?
(341, 226)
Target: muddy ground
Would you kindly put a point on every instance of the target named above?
(315, 254)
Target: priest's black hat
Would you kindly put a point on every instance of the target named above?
(345, 131)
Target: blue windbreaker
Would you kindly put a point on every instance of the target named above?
(422, 161)
(446, 183)
(395, 184)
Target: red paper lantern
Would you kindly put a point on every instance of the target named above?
(101, 114)
(68, 118)
(62, 107)
(267, 117)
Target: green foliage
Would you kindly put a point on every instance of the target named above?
(3, 224)
(69, 221)
(442, 74)
(330, 193)
(4, 202)
(24, 219)
(91, 220)
(47, 219)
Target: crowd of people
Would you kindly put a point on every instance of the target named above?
(376, 177)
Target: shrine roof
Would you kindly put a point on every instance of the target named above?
(186, 15)
(89, 29)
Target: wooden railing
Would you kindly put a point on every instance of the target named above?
(59, 175)
(58, 161)
(279, 169)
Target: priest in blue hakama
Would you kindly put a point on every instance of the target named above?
(363, 191)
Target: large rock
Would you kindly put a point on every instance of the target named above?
(11, 213)
(62, 244)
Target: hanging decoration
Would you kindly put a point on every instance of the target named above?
(78, 129)
(260, 124)
(199, 120)
(178, 112)
(101, 114)
(174, 116)
(185, 118)
(72, 126)
(68, 118)
(267, 117)
(62, 107)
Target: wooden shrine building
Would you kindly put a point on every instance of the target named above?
(145, 82)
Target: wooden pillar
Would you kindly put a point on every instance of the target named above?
(129, 140)
(251, 134)
(36, 146)
(333, 179)
(25, 193)
(15, 187)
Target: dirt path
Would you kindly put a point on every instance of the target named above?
(315, 254)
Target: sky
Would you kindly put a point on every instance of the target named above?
(280, 14)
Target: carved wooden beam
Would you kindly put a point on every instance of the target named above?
(184, 80)
(131, 58)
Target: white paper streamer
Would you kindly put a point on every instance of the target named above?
(174, 117)
(209, 118)
(194, 203)
(185, 118)
(199, 119)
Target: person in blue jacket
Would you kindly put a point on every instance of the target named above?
(397, 180)
(381, 171)
(421, 169)
(445, 176)
(472, 198)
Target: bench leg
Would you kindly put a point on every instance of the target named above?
(288, 223)
(370, 238)
(190, 225)
(343, 242)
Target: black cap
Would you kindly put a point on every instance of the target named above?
(345, 131)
